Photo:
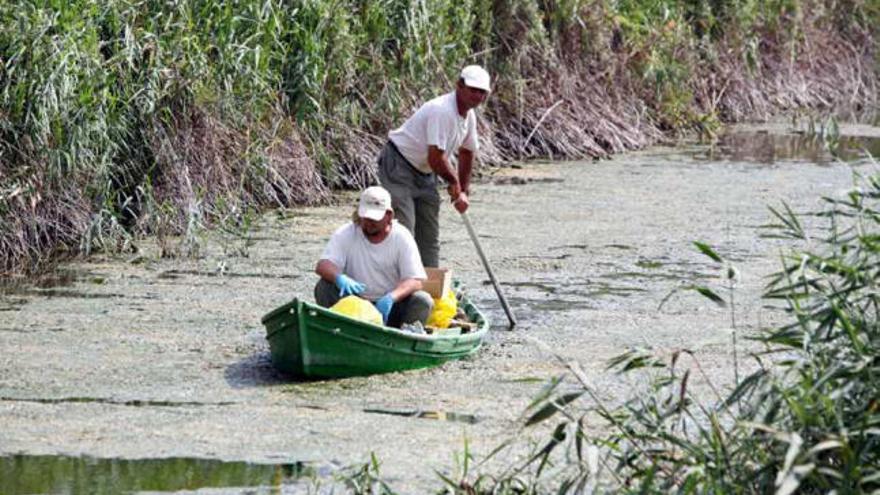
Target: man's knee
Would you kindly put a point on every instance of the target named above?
(420, 306)
(326, 293)
(423, 300)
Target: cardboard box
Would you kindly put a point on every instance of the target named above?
(439, 280)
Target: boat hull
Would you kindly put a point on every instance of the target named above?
(308, 340)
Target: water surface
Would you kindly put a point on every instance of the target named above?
(32, 474)
(168, 358)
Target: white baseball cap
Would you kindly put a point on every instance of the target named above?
(475, 76)
(375, 201)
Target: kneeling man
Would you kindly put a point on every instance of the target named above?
(376, 258)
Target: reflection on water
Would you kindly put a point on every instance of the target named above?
(52, 284)
(769, 148)
(21, 474)
(58, 278)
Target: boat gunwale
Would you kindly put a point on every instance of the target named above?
(298, 305)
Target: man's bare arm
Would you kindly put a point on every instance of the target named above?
(327, 270)
(405, 288)
(439, 163)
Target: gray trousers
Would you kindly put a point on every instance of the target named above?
(415, 200)
(416, 307)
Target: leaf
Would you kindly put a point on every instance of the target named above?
(793, 478)
(579, 439)
(648, 480)
(557, 438)
(553, 407)
(790, 227)
(634, 359)
(546, 391)
(784, 477)
(497, 450)
(826, 445)
(709, 294)
(708, 251)
(744, 387)
(466, 460)
(871, 478)
(850, 330)
(446, 480)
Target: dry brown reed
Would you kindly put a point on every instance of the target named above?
(35, 231)
(200, 159)
(823, 71)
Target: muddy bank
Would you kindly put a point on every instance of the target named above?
(144, 357)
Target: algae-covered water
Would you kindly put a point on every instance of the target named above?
(149, 374)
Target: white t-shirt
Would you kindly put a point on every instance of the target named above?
(378, 266)
(436, 123)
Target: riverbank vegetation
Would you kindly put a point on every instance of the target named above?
(805, 420)
(123, 118)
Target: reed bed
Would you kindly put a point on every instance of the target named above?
(126, 118)
(806, 419)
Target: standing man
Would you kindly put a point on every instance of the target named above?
(376, 258)
(422, 148)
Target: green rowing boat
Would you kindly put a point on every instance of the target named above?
(308, 340)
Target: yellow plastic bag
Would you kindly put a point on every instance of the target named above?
(444, 310)
(358, 308)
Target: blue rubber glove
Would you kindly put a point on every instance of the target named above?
(348, 285)
(383, 304)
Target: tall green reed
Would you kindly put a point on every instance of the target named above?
(806, 420)
(99, 97)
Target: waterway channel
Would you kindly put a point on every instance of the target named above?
(136, 373)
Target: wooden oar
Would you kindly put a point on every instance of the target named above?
(470, 229)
